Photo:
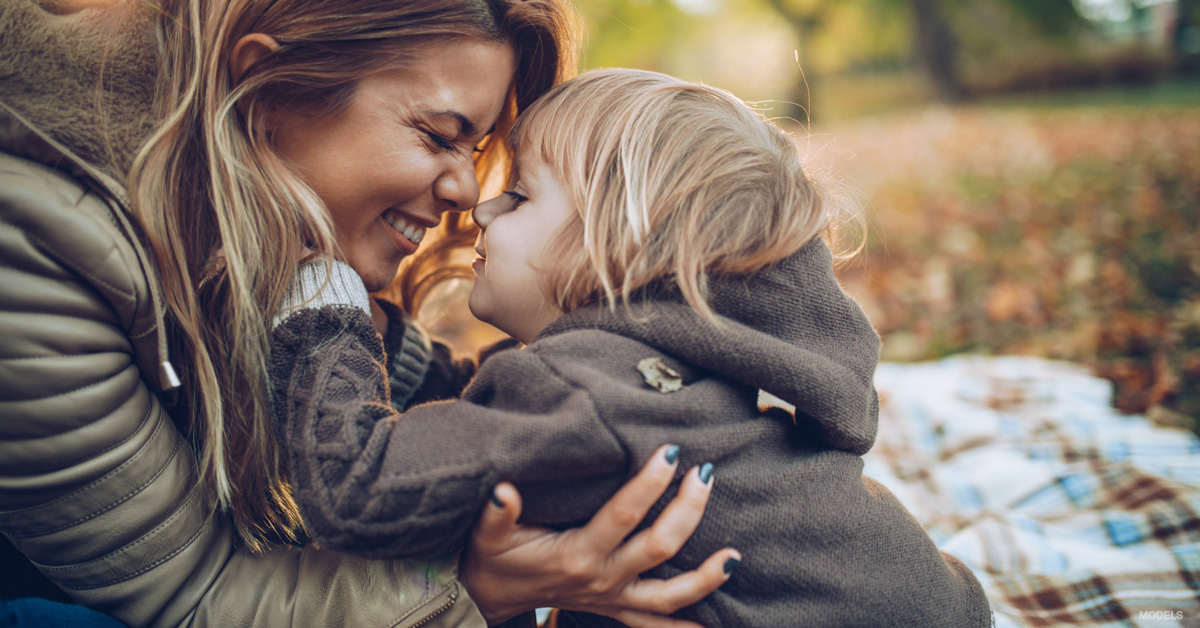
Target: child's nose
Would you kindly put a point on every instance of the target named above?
(487, 211)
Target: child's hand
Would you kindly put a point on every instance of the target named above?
(511, 568)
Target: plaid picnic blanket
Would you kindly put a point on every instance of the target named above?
(1070, 513)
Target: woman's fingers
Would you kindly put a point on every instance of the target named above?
(667, 596)
(510, 568)
(662, 540)
(613, 522)
(498, 523)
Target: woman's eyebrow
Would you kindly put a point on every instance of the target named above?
(466, 126)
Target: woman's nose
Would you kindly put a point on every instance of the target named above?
(487, 211)
(457, 189)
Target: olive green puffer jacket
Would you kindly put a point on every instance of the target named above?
(97, 486)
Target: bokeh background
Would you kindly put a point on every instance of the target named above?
(1026, 172)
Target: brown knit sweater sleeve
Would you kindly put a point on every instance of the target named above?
(373, 482)
(420, 369)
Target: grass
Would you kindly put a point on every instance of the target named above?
(1182, 93)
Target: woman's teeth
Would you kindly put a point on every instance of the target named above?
(415, 233)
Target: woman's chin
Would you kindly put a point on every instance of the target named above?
(374, 285)
(376, 278)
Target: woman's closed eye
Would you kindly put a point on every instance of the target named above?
(440, 141)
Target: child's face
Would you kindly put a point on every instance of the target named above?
(510, 288)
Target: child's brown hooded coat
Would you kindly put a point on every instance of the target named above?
(571, 417)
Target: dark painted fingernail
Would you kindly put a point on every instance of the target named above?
(672, 454)
(730, 565)
(706, 470)
(496, 500)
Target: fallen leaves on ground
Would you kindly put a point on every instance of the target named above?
(1067, 234)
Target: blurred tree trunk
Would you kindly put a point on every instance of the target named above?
(1186, 38)
(937, 49)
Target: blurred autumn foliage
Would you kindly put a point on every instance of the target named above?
(1063, 232)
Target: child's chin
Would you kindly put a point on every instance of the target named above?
(475, 305)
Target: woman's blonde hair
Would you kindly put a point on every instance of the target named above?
(223, 214)
(670, 180)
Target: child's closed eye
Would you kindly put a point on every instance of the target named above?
(516, 197)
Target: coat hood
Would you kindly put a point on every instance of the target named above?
(82, 81)
(789, 330)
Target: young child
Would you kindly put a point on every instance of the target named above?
(659, 257)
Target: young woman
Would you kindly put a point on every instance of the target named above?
(149, 225)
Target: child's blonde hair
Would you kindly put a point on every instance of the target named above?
(670, 179)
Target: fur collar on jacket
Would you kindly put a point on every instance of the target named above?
(83, 78)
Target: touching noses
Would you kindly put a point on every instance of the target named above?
(487, 211)
(457, 189)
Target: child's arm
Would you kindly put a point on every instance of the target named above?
(420, 369)
(373, 482)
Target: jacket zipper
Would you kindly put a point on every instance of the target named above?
(439, 610)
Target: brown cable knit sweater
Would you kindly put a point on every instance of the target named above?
(570, 417)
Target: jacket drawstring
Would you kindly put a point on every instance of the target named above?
(168, 378)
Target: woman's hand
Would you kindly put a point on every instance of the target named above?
(511, 568)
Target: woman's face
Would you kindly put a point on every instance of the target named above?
(400, 155)
(510, 290)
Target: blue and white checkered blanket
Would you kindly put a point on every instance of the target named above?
(1070, 513)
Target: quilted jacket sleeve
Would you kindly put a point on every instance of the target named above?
(98, 488)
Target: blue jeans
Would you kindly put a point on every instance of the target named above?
(37, 613)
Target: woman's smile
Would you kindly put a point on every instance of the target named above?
(405, 226)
